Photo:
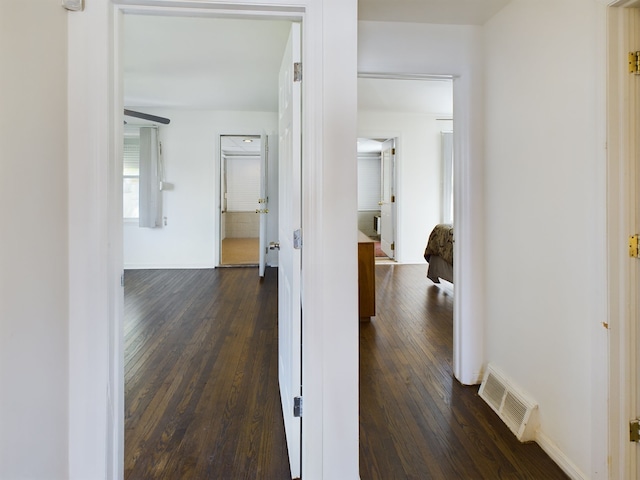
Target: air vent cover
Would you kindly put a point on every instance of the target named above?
(515, 409)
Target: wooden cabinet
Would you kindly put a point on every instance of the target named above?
(366, 277)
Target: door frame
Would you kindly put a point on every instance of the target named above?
(217, 254)
(622, 149)
(393, 194)
(95, 376)
(396, 137)
(468, 310)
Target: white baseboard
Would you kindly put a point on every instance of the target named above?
(559, 457)
(155, 266)
(474, 378)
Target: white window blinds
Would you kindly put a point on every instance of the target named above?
(150, 179)
(243, 183)
(131, 176)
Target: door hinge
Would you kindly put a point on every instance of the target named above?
(73, 5)
(297, 406)
(122, 280)
(297, 239)
(634, 62)
(633, 246)
(393, 151)
(297, 72)
(393, 199)
(393, 246)
(634, 430)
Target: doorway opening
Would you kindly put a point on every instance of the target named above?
(402, 127)
(239, 200)
(376, 195)
(401, 121)
(248, 98)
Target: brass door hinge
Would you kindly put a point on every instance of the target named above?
(393, 151)
(393, 246)
(633, 246)
(634, 62)
(634, 430)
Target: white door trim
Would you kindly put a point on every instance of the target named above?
(95, 325)
(468, 318)
(622, 281)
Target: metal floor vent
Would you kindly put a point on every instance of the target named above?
(515, 409)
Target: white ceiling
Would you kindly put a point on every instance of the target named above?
(202, 63)
(240, 144)
(455, 12)
(232, 64)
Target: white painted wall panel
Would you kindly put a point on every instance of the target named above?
(545, 230)
(334, 260)
(33, 243)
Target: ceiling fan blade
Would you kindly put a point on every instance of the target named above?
(146, 116)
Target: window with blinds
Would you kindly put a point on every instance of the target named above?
(369, 182)
(131, 176)
(243, 183)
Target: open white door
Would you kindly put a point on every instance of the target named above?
(263, 203)
(388, 199)
(289, 258)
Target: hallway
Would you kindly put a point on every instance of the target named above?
(416, 420)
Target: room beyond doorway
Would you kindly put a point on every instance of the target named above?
(239, 193)
(376, 195)
(414, 113)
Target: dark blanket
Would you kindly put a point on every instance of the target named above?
(440, 243)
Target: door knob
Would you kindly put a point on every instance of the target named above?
(274, 245)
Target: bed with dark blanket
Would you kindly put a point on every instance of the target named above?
(439, 253)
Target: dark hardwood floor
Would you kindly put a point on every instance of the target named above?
(416, 420)
(202, 397)
(201, 386)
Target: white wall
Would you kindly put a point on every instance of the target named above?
(401, 48)
(545, 277)
(191, 146)
(419, 174)
(33, 242)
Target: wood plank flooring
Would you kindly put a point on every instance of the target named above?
(202, 397)
(201, 387)
(416, 421)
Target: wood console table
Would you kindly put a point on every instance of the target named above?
(366, 277)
